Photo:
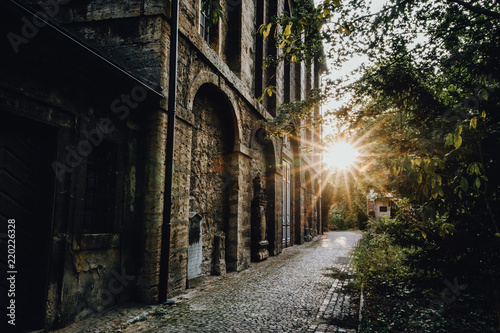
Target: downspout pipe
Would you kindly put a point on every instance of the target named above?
(169, 158)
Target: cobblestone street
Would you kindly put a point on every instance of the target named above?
(293, 292)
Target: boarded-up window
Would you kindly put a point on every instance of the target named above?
(100, 192)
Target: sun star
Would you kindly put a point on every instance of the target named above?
(342, 155)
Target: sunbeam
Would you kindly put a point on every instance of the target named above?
(342, 155)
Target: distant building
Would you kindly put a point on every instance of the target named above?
(379, 204)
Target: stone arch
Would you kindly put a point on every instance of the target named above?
(212, 172)
(206, 77)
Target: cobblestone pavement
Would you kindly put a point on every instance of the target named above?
(293, 292)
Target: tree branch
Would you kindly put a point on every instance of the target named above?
(476, 9)
(383, 10)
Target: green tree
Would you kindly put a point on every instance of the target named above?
(430, 100)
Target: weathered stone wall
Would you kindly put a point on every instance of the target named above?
(85, 266)
(130, 33)
(211, 145)
(217, 151)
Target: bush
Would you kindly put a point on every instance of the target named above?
(338, 222)
(403, 269)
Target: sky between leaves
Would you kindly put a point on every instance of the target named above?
(347, 68)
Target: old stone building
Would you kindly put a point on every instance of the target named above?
(83, 118)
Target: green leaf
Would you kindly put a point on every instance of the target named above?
(336, 3)
(464, 184)
(483, 114)
(474, 169)
(477, 183)
(269, 91)
(288, 29)
(424, 234)
(473, 123)
(447, 229)
(407, 163)
(266, 30)
(261, 97)
(449, 140)
(419, 178)
(457, 141)
(483, 94)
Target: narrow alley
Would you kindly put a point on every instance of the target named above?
(293, 292)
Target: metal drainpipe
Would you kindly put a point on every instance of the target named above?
(169, 158)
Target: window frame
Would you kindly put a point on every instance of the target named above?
(204, 27)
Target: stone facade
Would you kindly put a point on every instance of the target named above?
(102, 65)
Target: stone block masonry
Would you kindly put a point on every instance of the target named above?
(93, 53)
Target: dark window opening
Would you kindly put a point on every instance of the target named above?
(100, 190)
(259, 49)
(233, 39)
(309, 78)
(383, 209)
(297, 81)
(286, 82)
(271, 10)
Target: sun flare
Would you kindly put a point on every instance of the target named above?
(342, 155)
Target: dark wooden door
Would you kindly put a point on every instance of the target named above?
(26, 196)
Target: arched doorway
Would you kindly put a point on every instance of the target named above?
(211, 174)
(272, 189)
